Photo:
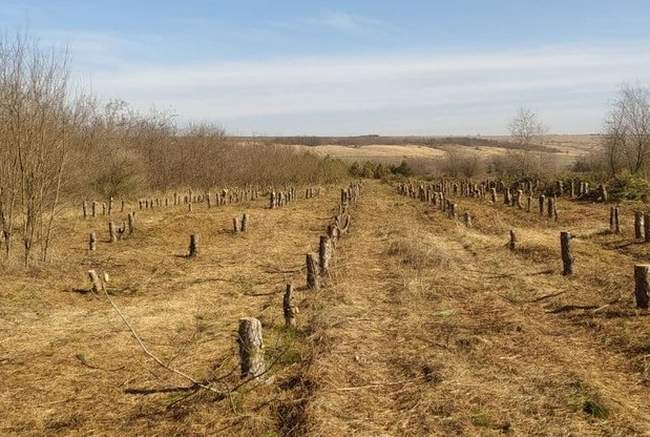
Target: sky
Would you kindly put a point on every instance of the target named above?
(273, 67)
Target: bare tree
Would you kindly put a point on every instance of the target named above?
(627, 131)
(525, 128)
(33, 108)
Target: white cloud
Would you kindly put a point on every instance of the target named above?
(348, 22)
(232, 91)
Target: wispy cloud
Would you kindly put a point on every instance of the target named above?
(427, 82)
(345, 21)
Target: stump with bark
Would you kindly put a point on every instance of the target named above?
(567, 257)
(194, 246)
(251, 348)
(289, 308)
(642, 285)
(312, 272)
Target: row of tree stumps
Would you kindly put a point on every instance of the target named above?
(115, 233)
(227, 196)
(250, 336)
(99, 208)
(571, 188)
(641, 225)
(438, 199)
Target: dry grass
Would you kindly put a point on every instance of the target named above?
(424, 327)
(568, 147)
(67, 357)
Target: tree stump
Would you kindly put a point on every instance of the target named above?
(312, 272)
(332, 233)
(642, 285)
(467, 218)
(289, 308)
(452, 213)
(131, 222)
(567, 257)
(97, 284)
(112, 235)
(244, 223)
(512, 244)
(251, 348)
(324, 255)
(550, 207)
(92, 242)
(194, 246)
(638, 225)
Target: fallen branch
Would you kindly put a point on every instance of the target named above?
(158, 361)
(546, 296)
(567, 308)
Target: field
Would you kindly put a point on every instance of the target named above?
(563, 148)
(422, 327)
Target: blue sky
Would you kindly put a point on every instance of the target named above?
(352, 67)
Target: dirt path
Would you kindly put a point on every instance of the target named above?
(431, 329)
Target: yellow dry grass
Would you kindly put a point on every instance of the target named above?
(424, 327)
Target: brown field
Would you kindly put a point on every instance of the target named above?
(564, 148)
(423, 327)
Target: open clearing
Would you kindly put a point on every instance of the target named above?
(423, 327)
(567, 149)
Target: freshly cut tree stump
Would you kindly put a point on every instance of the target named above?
(642, 285)
(97, 284)
(92, 242)
(289, 308)
(324, 255)
(567, 257)
(312, 272)
(194, 246)
(251, 348)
